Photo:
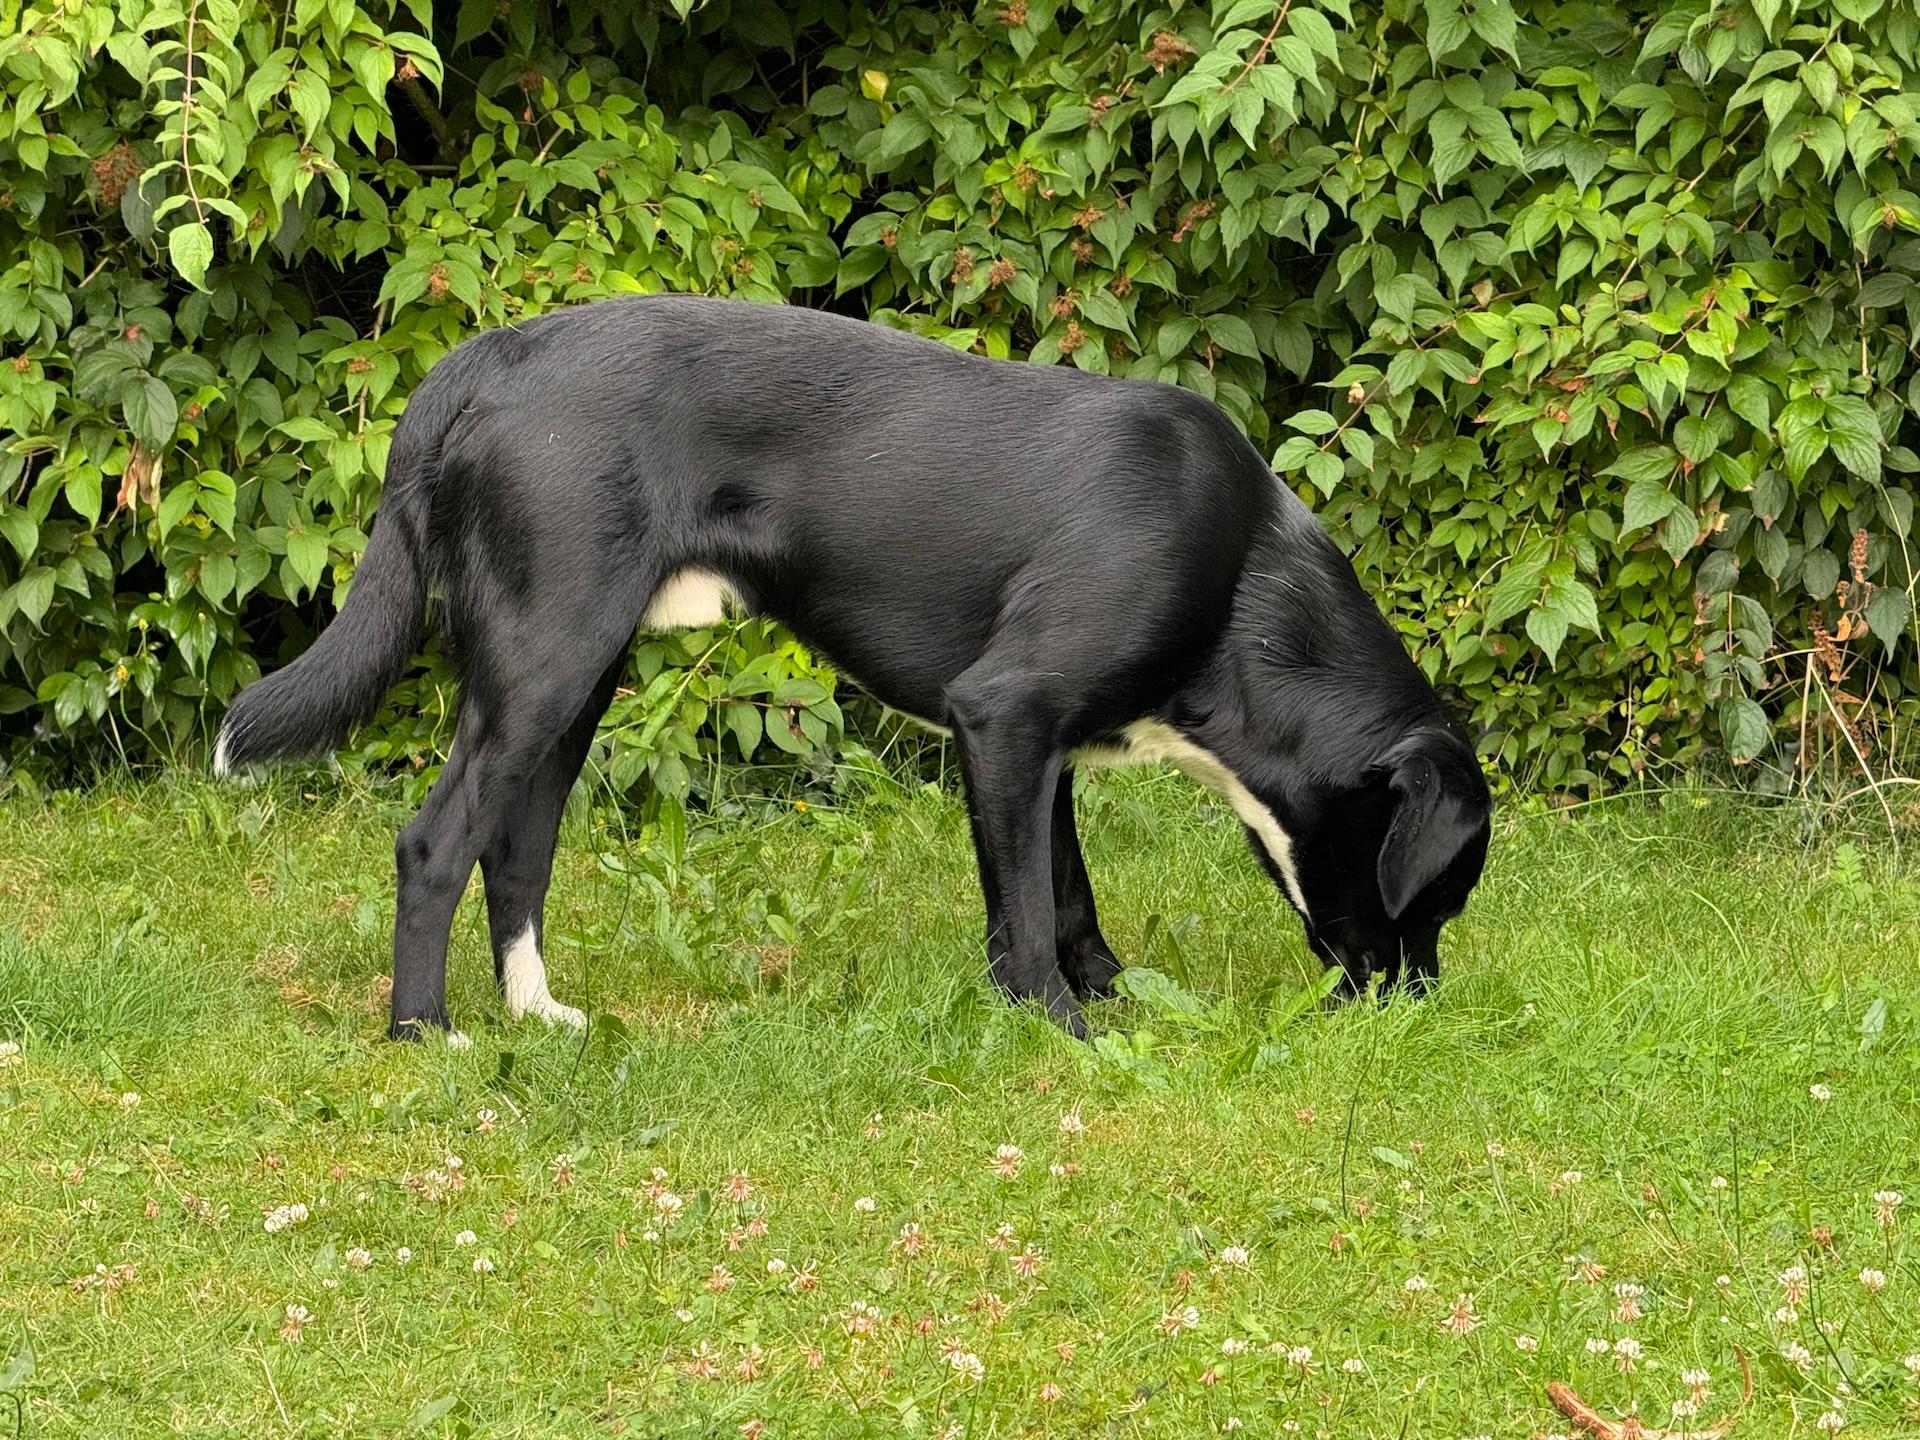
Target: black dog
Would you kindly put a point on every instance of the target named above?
(1046, 562)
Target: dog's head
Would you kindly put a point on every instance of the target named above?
(1378, 866)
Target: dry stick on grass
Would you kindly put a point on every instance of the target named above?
(1593, 1422)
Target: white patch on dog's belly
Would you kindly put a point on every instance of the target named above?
(1150, 741)
(688, 599)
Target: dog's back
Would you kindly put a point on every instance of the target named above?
(831, 471)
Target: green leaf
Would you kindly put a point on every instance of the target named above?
(1447, 28)
(151, 411)
(373, 67)
(307, 553)
(1312, 27)
(1104, 309)
(1493, 21)
(1294, 453)
(1233, 335)
(32, 593)
(83, 492)
(1572, 601)
(190, 246)
(1744, 728)
(1855, 435)
(1519, 584)
(1750, 397)
(1165, 997)
(1648, 503)
(308, 429)
(19, 1368)
(1359, 444)
(1896, 508)
(1548, 630)
(1681, 532)
(20, 528)
(175, 505)
(857, 267)
(311, 99)
(1646, 462)
(432, 1412)
(1887, 615)
(901, 136)
(744, 722)
(217, 577)
(1820, 573)
(1696, 438)
(1325, 471)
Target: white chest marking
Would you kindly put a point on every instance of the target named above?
(1151, 741)
(524, 980)
(689, 599)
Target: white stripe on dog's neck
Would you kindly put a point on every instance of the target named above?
(1151, 741)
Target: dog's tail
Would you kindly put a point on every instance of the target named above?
(310, 705)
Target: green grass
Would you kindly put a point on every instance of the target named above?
(1642, 994)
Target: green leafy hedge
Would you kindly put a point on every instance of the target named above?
(1587, 328)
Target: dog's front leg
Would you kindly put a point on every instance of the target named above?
(1010, 757)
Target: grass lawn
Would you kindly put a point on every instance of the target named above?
(806, 1172)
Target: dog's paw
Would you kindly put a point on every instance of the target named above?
(459, 1040)
(1091, 968)
(545, 1007)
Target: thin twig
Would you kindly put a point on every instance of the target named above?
(1259, 54)
(278, 1404)
(186, 114)
(379, 320)
(429, 112)
(494, 274)
(1806, 696)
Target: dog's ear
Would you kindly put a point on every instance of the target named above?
(1440, 806)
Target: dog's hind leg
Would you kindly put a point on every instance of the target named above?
(528, 683)
(1006, 724)
(518, 865)
(1084, 956)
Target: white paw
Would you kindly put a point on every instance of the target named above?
(456, 1040)
(553, 1012)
